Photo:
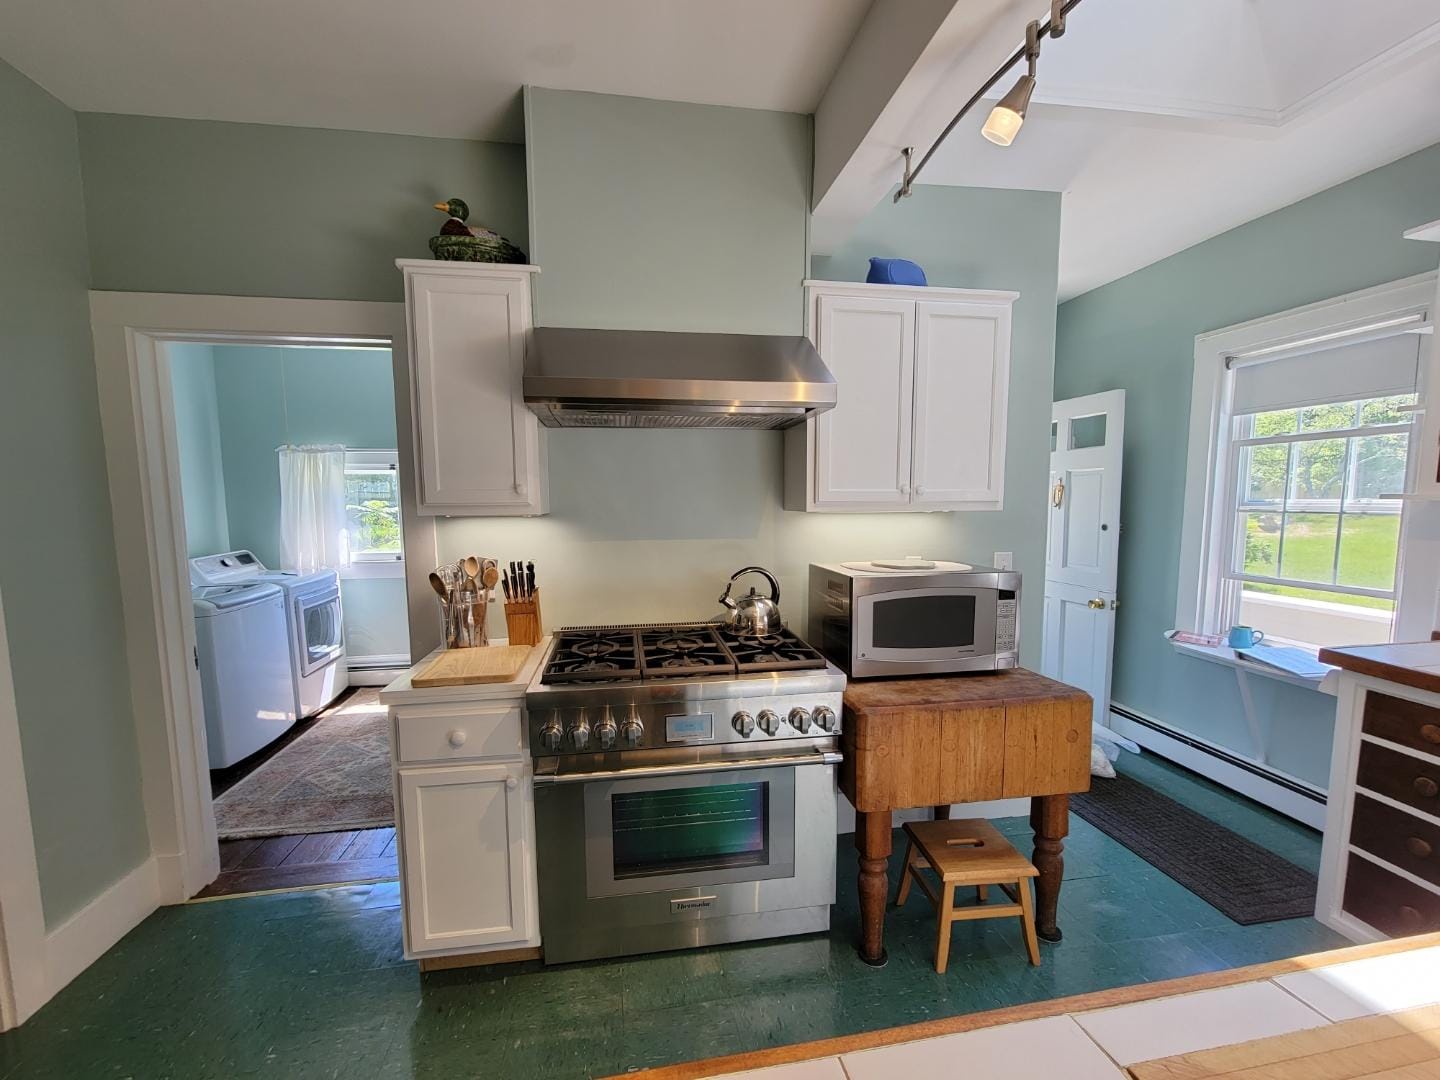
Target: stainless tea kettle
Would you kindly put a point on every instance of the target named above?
(753, 615)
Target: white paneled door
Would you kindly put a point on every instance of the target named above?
(1087, 441)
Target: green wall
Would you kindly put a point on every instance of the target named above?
(1138, 333)
(260, 398)
(57, 563)
(196, 206)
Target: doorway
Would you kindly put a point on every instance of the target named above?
(144, 446)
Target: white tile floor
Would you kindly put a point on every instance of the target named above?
(1094, 1045)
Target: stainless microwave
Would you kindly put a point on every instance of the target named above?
(874, 619)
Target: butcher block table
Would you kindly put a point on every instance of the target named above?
(936, 740)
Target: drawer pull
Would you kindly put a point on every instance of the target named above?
(456, 738)
(1421, 849)
(511, 783)
(1431, 733)
(1425, 787)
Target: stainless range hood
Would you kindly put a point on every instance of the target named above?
(663, 379)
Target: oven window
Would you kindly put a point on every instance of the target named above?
(924, 622)
(692, 828)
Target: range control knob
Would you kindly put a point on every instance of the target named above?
(606, 730)
(551, 732)
(825, 718)
(800, 719)
(632, 730)
(743, 723)
(580, 732)
(769, 721)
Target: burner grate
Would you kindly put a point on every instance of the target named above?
(655, 651)
(673, 651)
(593, 655)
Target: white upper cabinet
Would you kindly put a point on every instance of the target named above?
(923, 378)
(478, 449)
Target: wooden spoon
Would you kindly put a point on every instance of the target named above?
(471, 565)
(490, 575)
(438, 584)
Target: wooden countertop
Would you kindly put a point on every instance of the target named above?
(1013, 687)
(1414, 664)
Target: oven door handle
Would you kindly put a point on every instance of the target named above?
(637, 772)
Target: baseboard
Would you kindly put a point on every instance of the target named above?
(376, 676)
(88, 934)
(1286, 794)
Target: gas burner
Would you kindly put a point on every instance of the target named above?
(660, 652)
(680, 643)
(668, 651)
(770, 652)
(598, 647)
(588, 655)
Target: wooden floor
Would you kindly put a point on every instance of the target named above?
(287, 862)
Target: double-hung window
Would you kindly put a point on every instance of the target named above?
(372, 511)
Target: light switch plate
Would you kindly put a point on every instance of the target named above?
(1004, 560)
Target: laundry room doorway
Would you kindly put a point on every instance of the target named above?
(275, 500)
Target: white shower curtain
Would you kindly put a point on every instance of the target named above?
(313, 527)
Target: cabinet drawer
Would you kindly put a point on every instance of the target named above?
(1405, 722)
(1402, 839)
(1403, 777)
(1388, 902)
(459, 732)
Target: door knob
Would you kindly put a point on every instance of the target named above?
(1097, 604)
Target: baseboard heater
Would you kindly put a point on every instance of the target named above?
(1311, 807)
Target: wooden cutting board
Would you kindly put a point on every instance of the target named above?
(463, 667)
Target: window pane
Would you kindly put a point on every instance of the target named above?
(1378, 467)
(1053, 426)
(372, 505)
(1328, 417)
(1368, 543)
(1314, 617)
(1262, 545)
(1087, 431)
(1309, 549)
(1283, 422)
(1264, 469)
(1317, 468)
(1386, 410)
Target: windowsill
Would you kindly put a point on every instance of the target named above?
(364, 571)
(1226, 657)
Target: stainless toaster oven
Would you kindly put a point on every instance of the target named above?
(911, 617)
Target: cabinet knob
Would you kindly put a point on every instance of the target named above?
(1425, 787)
(919, 489)
(511, 783)
(904, 489)
(457, 738)
(1430, 733)
(1419, 848)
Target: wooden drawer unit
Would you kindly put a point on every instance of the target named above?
(1389, 903)
(1403, 777)
(1401, 839)
(468, 732)
(1408, 723)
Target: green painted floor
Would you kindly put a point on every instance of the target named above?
(312, 984)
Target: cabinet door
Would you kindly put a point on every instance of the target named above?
(466, 857)
(962, 382)
(477, 443)
(862, 446)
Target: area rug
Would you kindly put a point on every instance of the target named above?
(1245, 881)
(334, 777)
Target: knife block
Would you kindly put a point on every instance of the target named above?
(522, 620)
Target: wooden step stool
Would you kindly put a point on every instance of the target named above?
(970, 852)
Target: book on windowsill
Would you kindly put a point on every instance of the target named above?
(1287, 659)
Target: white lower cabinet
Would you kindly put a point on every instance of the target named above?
(466, 838)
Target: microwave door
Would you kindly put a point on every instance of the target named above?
(925, 625)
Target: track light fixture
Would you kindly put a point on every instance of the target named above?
(1006, 118)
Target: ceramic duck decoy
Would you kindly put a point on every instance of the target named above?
(458, 241)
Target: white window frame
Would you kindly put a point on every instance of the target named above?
(1404, 305)
(374, 564)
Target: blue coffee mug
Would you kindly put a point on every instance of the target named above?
(1244, 637)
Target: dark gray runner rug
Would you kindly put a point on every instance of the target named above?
(1244, 880)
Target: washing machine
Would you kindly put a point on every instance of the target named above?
(315, 620)
(243, 653)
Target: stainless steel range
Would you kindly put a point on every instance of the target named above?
(684, 788)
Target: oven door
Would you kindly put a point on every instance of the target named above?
(321, 629)
(927, 626)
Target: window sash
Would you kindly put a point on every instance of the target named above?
(375, 463)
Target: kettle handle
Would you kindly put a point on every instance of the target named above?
(774, 585)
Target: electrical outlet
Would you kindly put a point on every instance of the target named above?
(1004, 560)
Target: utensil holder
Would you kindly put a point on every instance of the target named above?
(463, 619)
(522, 620)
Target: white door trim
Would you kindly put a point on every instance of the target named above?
(22, 918)
(132, 370)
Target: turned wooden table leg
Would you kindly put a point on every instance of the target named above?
(872, 840)
(1050, 818)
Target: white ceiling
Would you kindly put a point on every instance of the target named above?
(449, 68)
(1166, 124)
